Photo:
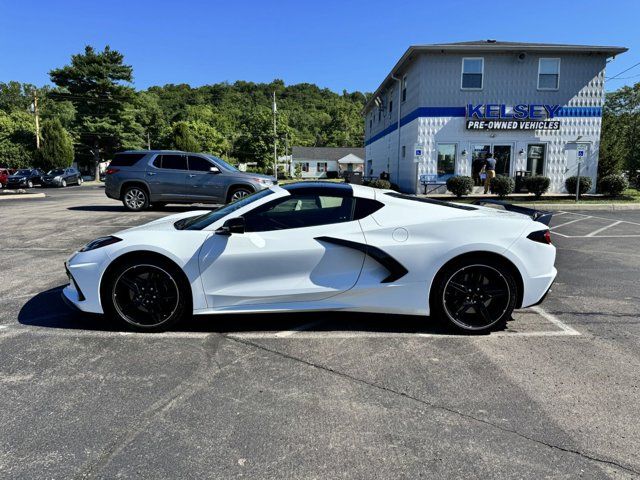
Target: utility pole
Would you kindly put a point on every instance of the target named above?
(37, 116)
(275, 139)
(148, 141)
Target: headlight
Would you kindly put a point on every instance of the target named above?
(100, 242)
(57, 179)
(263, 181)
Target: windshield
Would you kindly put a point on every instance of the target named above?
(57, 171)
(23, 172)
(201, 221)
(224, 165)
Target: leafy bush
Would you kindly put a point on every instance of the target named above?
(377, 183)
(460, 185)
(502, 186)
(571, 182)
(613, 184)
(537, 184)
(394, 186)
(332, 174)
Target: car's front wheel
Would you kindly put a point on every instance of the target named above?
(146, 295)
(63, 183)
(475, 296)
(30, 184)
(135, 199)
(239, 193)
(80, 180)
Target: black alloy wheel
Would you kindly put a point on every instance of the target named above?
(148, 296)
(476, 297)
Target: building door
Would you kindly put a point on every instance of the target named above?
(502, 154)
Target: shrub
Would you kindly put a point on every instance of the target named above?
(502, 186)
(585, 185)
(332, 174)
(613, 184)
(460, 185)
(377, 183)
(394, 186)
(537, 184)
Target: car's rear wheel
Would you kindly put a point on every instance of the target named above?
(238, 193)
(135, 199)
(146, 295)
(30, 184)
(475, 296)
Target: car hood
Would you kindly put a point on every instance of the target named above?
(17, 177)
(165, 223)
(258, 175)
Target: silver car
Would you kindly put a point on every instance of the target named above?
(157, 177)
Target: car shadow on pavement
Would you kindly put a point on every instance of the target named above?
(48, 310)
(119, 208)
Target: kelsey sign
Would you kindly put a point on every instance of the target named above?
(494, 116)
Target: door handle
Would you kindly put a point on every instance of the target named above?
(151, 174)
(191, 175)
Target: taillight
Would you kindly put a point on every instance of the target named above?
(542, 236)
(112, 170)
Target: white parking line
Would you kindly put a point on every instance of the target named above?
(595, 232)
(570, 222)
(555, 320)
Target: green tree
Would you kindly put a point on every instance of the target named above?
(56, 150)
(183, 139)
(97, 84)
(17, 139)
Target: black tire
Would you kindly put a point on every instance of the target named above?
(237, 193)
(474, 296)
(80, 180)
(29, 184)
(135, 198)
(63, 183)
(146, 294)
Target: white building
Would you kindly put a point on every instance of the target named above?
(318, 162)
(534, 106)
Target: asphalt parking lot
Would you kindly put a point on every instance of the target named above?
(555, 395)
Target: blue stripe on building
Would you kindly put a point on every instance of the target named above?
(430, 112)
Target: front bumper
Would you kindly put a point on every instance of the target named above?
(84, 271)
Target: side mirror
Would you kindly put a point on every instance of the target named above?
(214, 170)
(233, 225)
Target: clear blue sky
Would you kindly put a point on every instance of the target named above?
(336, 44)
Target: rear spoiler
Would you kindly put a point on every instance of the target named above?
(536, 215)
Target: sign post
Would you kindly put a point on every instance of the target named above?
(580, 157)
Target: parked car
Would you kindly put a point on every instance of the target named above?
(25, 178)
(61, 177)
(314, 246)
(156, 177)
(4, 177)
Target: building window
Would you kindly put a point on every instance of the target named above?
(472, 73)
(548, 74)
(390, 106)
(322, 167)
(446, 158)
(404, 151)
(304, 166)
(404, 88)
(370, 123)
(535, 158)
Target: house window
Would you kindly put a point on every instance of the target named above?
(472, 73)
(390, 106)
(446, 158)
(548, 74)
(304, 166)
(404, 88)
(535, 158)
(404, 151)
(322, 167)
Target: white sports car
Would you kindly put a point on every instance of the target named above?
(321, 246)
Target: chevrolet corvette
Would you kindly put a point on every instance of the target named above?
(319, 246)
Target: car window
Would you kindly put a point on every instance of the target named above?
(199, 164)
(174, 162)
(126, 159)
(299, 211)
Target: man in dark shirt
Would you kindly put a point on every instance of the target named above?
(490, 171)
(476, 167)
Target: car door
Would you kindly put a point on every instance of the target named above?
(285, 256)
(202, 184)
(167, 177)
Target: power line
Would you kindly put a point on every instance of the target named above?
(624, 71)
(625, 78)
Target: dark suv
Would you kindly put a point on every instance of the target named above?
(157, 177)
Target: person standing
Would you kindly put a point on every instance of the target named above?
(490, 171)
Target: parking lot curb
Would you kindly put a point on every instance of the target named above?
(582, 206)
(21, 196)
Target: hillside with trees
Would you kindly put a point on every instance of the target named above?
(94, 103)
